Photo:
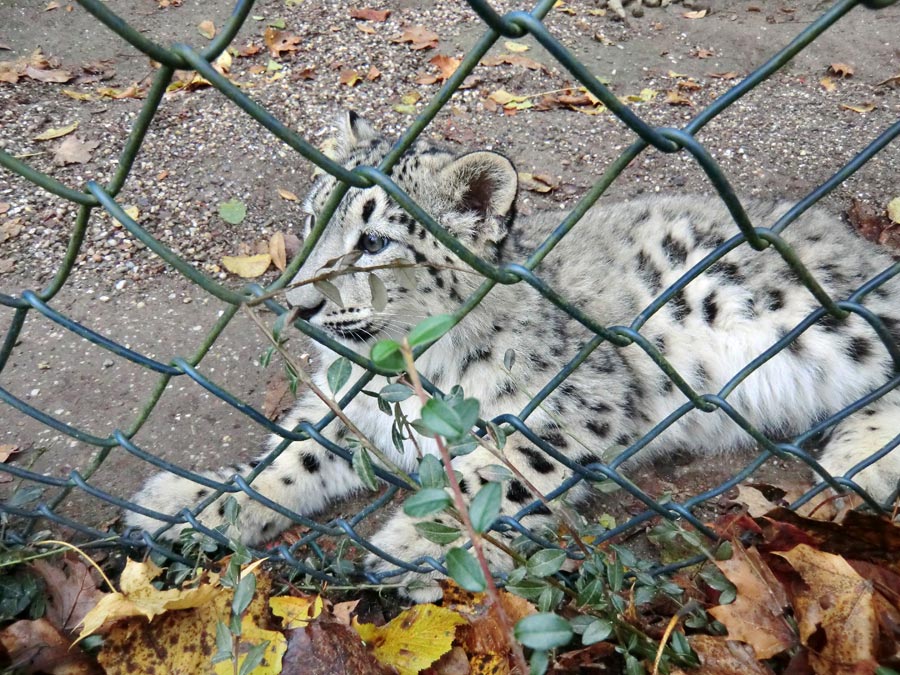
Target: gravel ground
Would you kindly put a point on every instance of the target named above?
(782, 139)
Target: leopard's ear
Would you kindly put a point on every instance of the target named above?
(353, 130)
(483, 183)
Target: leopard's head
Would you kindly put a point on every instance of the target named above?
(471, 195)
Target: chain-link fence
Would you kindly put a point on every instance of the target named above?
(307, 554)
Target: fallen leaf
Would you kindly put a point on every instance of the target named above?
(674, 98)
(329, 648)
(368, 14)
(893, 79)
(365, 28)
(140, 598)
(9, 229)
(721, 656)
(277, 251)
(48, 74)
(287, 194)
(515, 47)
(247, 266)
(413, 640)
(695, 15)
(703, 53)
(134, 91)
(38, 647)
(74, 151)
(71, 591)
(279, 398)
(893, 210)
(835, 611)
(866, 107)
(446, 66)
(537, 182)
(418, 37)
(233, 211)
(249, 49)
(279, 41)
(162, 175)
(7, 265)
(7, 449)
(51, 5)
(56, 132)
(828, 84)
(350, 78)
(730, 75)
(296, 612)
(77, 95)
(514, 60)
(757, 614)
(207, 29)
(841, 70)
(131, 211)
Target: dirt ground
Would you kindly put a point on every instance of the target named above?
(782, 139)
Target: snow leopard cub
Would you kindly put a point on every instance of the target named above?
(618, 258)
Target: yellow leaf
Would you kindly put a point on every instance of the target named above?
(287, 194)
(695, 15)
(828, 84)
(131, 211)
(77, 95)
(516, 47)
(350, 77)
(868, 106)
(414, 640)
(277, 251)
(140, 598)
(207, 29)
(247, 266)
(893, 210)
(410, 98)
(503, 97)
(56, 132)
(296, 612)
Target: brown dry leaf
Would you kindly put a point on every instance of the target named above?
(74, 151)
(699, 14)
(9, 229)
(720, 656)
(514, 60)
(368, 14)
(350, 77)
(51, 5)
(373, 74)
(139, 598)
(675, 98)
(365, 28)
(249, 49)
(446, 66)
(828, 84)
(730, 75)
(277, 251)
(893, 79)
(689, 85)
(414, 639)
(329, 648)
(835, 611)
(703, 53)
(48, 74)
(342, 611)
(287, 194)
(56, 132)
(866, 107)
(207, 29)
(247, 266)
(418, 38)
(4, 207)
(842, 70)
(38, 647)
(280, 41)
(537, 182)
(278, 398)
(10, 72)
(7, 449)
(134, 91)
(71, 591)
(756, 616)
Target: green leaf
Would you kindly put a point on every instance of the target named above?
(485, 506)
(426, 502)
(338, 374)
(543, 631)
(330, 291)
(597, 631)
(431, 472)
(243, 594)
(546, 562)
(362, 465)
(396, 392)
(430, 329)
(537, 664)
(497, 433)
(495, 473)
(278, 23)
(438, 532)
(386, 354)
(224, 642)
(465, 571)
(592, 594)
(467, 409)
(442, 420)
(253, 658)
(233, 211)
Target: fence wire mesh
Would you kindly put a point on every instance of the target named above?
(306, 554)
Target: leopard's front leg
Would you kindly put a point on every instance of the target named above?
(304, 478)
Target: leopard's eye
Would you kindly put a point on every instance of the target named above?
(372, 243)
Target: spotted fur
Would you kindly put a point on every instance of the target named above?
(617, 259)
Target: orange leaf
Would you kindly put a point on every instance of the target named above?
(418, 38)
(368, 14)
